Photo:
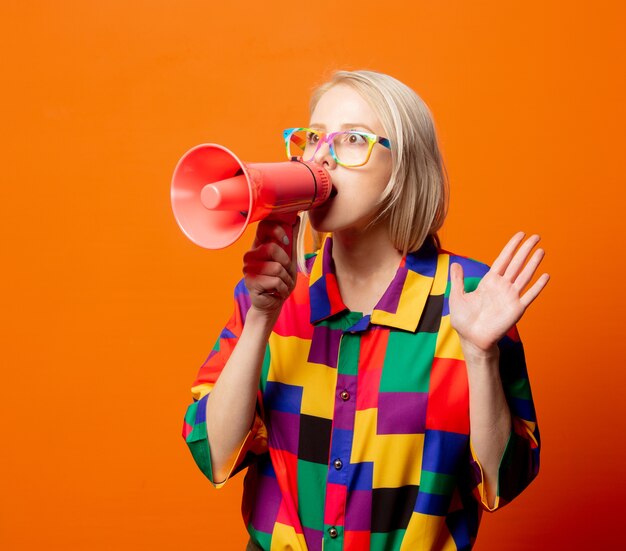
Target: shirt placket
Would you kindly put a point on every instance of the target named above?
(341, 440)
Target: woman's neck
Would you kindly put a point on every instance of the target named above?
(365, 263)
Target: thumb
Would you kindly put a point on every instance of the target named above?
(457, 287)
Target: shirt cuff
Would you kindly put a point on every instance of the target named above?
(196, 437)
(479, 487)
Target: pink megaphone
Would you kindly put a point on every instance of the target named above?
(215, 195)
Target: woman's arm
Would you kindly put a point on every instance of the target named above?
(490, 417)
(269, 276)
(482, 318)
(231, 403)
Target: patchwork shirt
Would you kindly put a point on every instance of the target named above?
(361, 437)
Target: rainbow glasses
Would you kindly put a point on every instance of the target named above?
(349, 148)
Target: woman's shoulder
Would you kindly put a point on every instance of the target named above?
(471, 266)
(431, 256)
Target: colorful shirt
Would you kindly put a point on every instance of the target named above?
(361, 437)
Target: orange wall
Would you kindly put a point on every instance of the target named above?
(108, 311)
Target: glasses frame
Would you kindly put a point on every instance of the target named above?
(372, 139)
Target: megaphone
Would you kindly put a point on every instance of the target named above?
(215, 196)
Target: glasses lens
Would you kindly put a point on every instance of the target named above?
(303, 143)
(351, 148)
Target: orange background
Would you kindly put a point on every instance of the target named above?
(108, 310)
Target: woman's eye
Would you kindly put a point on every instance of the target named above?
(356, 139)
(312, 138)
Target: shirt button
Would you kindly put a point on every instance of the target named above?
(338, 464)
(344, 395)
(332, 532)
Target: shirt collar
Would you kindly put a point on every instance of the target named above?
(400, 306)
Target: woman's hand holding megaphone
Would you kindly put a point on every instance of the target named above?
(269, 269)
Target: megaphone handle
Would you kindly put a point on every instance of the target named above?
(289, 220)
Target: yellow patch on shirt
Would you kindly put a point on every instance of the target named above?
(448, 342)
(397, 458)
(318, 381)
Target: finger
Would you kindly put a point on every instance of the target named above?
(457, 287)
(268, 252)
(264, 267)
(520, 257)
(500, 264)
(270, 230)
(276, 253)
(532, 293)
(273, 269)
(269, 285)
(529, 270)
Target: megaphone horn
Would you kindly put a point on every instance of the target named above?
(215, 196)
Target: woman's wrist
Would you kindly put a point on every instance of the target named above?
(478, 355)
(261, 319)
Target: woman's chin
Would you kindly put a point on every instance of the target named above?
(319, 224)
(320, 217)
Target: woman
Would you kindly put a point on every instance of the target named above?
(377, 393)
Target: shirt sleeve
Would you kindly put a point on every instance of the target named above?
(520, 460)
(195, 422)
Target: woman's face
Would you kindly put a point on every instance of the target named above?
(358, 189)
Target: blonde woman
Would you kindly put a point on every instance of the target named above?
(375, 390)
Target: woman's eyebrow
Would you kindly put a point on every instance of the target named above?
(344, 126)
(349, 125)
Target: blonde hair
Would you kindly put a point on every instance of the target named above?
(415, 201)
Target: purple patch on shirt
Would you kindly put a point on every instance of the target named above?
(402, 412)
(283, 430)
(309, 262)
(313, 538)
(359, 510)
(325, 346)
(344, 409)
(266, 504)
(328, 264)
(390, 300)
(244, 302)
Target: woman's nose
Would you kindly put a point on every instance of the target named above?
(323, 156)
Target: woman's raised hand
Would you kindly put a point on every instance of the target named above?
(484, 316)
(269, 271)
